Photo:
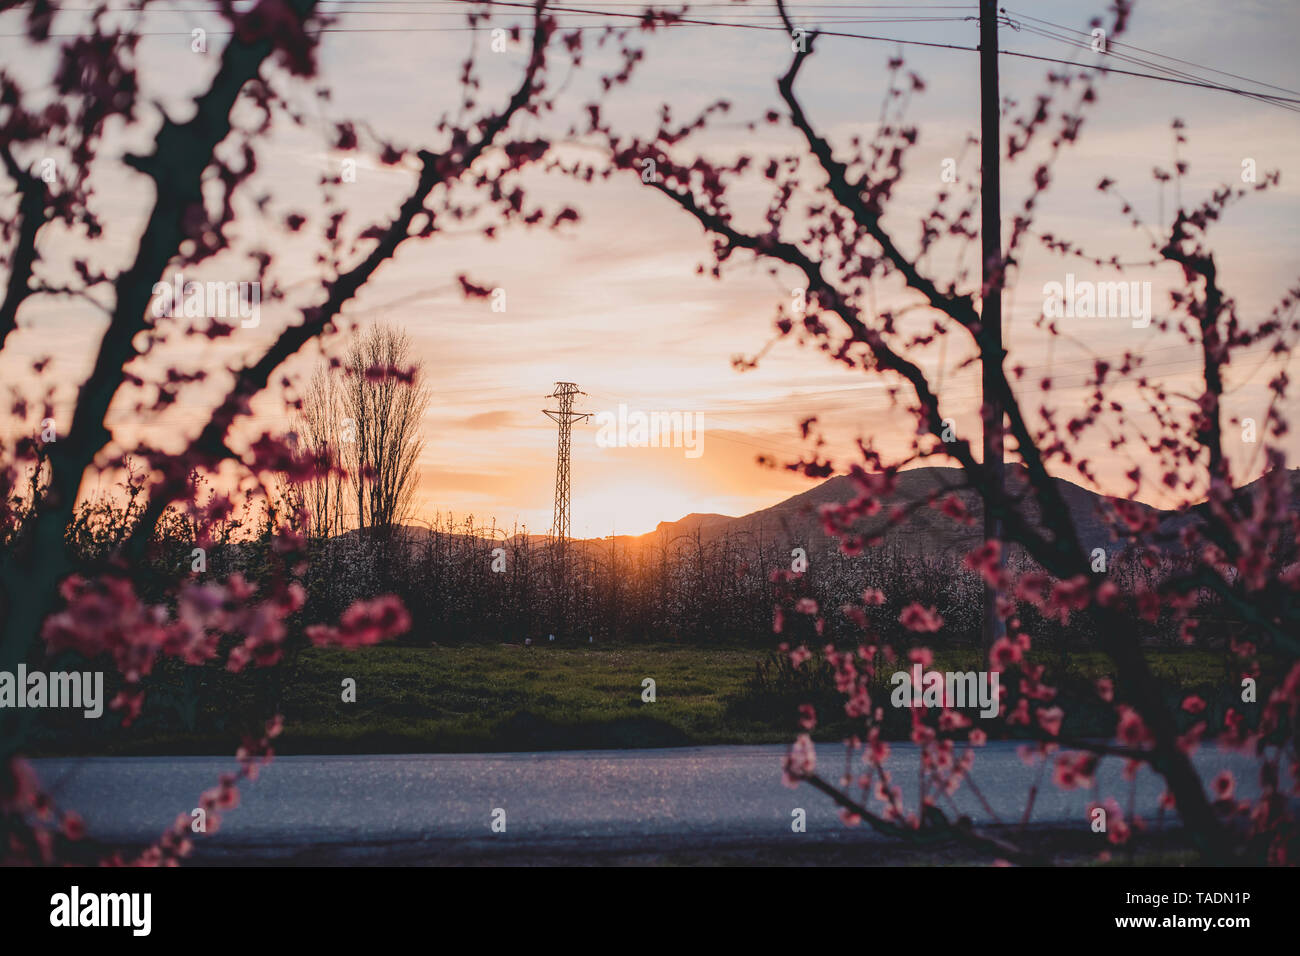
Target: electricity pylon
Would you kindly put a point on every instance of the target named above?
(565, 416)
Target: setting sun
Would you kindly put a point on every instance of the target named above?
(632, 506)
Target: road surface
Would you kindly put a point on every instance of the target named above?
(559, 806)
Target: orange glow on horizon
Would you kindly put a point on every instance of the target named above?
(634, 506)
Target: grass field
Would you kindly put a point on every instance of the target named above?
(508, 698)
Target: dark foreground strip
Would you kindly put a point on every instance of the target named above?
(269, 907)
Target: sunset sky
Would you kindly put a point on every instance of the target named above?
(614, 304)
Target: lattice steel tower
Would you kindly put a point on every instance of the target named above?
(565, 416)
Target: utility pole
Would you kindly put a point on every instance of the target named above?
(565, 416)
(990, 338)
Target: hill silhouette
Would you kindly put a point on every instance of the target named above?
(796, 521)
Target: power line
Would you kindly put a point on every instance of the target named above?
(1163, 56)
(1273, 99)
(1170, 75)
(774, 27)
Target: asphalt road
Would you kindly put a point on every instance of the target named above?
(559, 806)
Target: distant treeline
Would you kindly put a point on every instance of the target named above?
(463, 587)
(472, 584)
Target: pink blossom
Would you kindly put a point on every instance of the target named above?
(1131, 731)
(987, 561)
(800, 762)
(1224, 786)
(1004, 653)
(918, 618)
(365, 622)
(873, 597)
(807, 716)
(1050, 720)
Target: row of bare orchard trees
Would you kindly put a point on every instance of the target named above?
(464, 583)
(828, 220)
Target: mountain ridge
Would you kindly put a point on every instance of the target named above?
(795, 521)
